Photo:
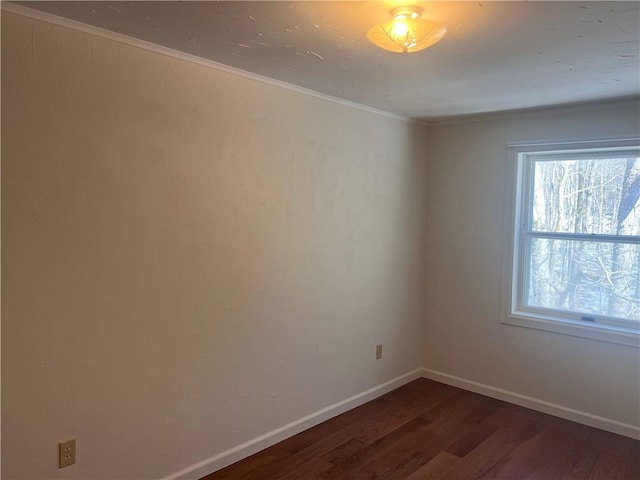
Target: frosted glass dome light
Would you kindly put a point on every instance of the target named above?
(406, 32)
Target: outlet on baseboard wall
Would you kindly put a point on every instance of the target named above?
(378, 351)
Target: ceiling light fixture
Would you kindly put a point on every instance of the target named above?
(407, 32)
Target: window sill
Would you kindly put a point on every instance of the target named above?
(603, 333)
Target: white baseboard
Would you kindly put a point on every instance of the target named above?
(223, 459)
(536, 404)
(234, 454)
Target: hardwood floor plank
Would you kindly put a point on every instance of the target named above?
(462, 407)
(310, 469)
(356, 418)
(428, 431)
(618, 460)
(490, 452)
(546, 455)
(360, 461)
(418, 454)
(339, 428)
(470, 440)
(247, 466)
(400, 414)
(435, 467)
(345, 453)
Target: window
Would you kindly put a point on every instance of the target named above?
(575, 265)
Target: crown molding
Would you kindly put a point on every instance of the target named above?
(24, 11)
(532, 111)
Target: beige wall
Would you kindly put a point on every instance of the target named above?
(190, 258)
(466, 214)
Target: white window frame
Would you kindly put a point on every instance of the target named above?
(518, 234)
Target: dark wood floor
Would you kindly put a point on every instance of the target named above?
(427, 430)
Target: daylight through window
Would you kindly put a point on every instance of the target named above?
(577, 245)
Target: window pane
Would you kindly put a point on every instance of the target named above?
(599, 196)
(587, 277)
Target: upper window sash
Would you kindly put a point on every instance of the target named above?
(527, 162)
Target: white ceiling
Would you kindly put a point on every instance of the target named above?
(496, 56)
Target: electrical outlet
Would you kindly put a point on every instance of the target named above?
(378, 351)
(67, 453)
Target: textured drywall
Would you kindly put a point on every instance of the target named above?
(190, 259)
(466, 208)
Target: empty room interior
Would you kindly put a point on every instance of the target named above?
(320, 240)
